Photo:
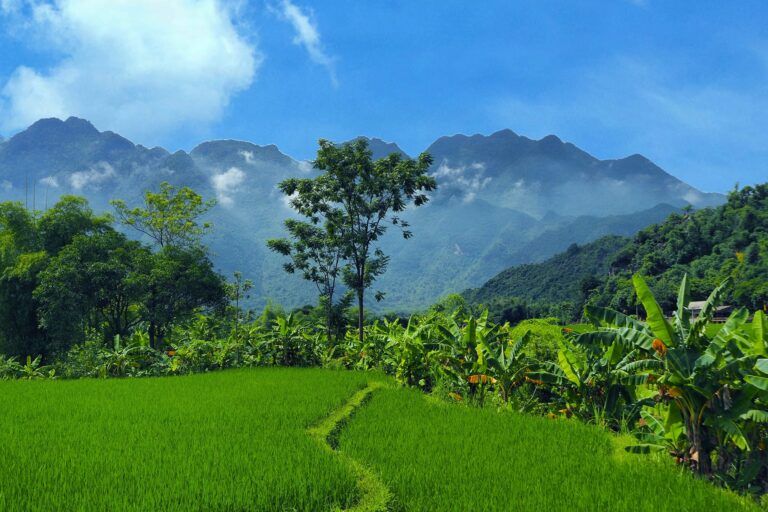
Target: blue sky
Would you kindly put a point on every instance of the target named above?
(684, 83)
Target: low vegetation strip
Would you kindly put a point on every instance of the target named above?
(374, 495)
(436, 456)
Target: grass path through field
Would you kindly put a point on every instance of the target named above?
(374, 494)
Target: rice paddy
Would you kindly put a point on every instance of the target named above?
(438, 457)
(307, 439)
(232, 440)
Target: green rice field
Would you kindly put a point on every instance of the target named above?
(242, 440)
(444, 457)
(232, 440)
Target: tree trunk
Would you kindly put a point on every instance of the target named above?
(360, 314)
(329, 319)
(699, 452)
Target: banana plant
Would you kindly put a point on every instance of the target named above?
(655, 435)
(413, 356)
(119, 361)
(9, 368)
(33, 369)
(509, 364)
(700, 377)
(469, 343)
(289, 343)
(597, 381)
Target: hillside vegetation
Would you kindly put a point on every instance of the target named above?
(709, 245)
(543, 283)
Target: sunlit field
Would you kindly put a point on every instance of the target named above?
(436, 456)
(243, 440)
(231, 440)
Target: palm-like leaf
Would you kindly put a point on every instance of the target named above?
(655, 316)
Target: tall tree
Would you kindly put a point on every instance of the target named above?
(170, 217)
(316, 253)
(359, 198)
(237, 290)
(95, 282)
(181, 279)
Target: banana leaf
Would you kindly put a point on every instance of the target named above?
(605, 317)
(656, 319)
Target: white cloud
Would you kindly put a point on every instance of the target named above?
(692, 197)
(307, 35)
(305, 166)
(286, 200)
(247, 156)
(93, 177)
(463, 181)
(50, 181)
(226, 183)
(141, 67)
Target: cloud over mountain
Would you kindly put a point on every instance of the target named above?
(122, 63)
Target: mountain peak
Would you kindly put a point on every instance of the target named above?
(505, 133)
(239, 151)
(82, 125)
(550, 139)
(54, 125)
(380, 148)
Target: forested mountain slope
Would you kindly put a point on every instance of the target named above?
(709, 245)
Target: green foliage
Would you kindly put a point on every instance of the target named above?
(20, 332)
(169, 217)
(709, 382)
(68, 273)
(356, 199)
(69, 217)
(95, 282)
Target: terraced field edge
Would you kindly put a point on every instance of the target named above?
(374, 494)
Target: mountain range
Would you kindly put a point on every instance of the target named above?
(502, 200)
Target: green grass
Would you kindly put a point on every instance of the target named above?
(439, 457)
(580, 328)
(308, 439)
(234, 440)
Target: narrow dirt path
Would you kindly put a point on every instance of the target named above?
(374, 495)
